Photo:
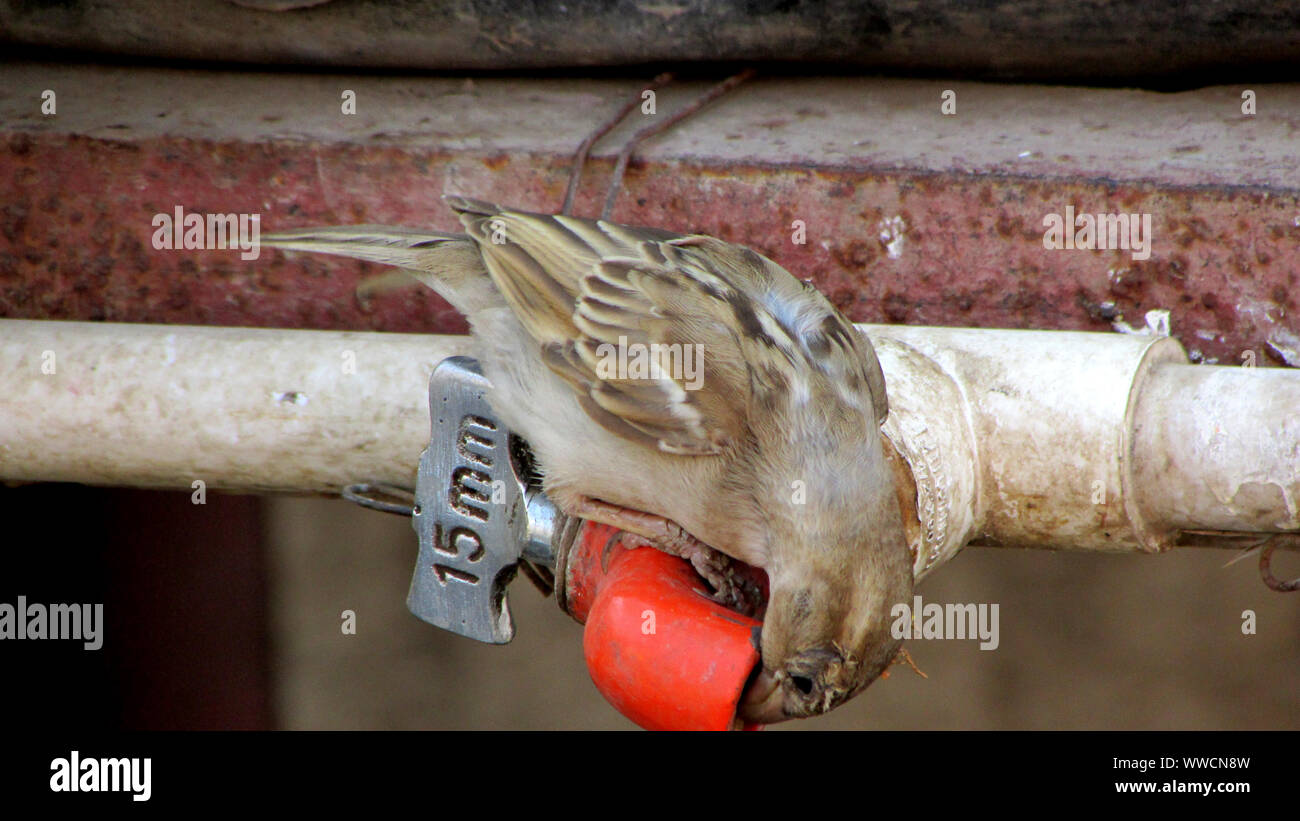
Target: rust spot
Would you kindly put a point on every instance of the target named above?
(1005, 226)
(841, 189)
(858, 255)
(1191, 231)
(1178, 268)
(896, 307)
(20, 144)
(961, 301)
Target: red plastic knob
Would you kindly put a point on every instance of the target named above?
(657, 645)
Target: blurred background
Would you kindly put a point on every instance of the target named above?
(228, 615)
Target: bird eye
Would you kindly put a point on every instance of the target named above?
(802, 683)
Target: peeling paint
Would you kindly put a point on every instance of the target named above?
(892, 232)
(1285, 345)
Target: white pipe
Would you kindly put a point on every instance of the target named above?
(236, 408)
(1222, 451)
(1043, 439)
(1084, 441)
(1021, 438)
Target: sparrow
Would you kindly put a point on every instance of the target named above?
(697, 396)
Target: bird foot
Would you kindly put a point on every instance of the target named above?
(731, 588)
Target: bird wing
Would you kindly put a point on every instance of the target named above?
(667, 339)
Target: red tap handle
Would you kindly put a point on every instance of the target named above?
(658, 647)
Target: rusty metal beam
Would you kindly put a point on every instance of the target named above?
(1010, 38)
(911, 216)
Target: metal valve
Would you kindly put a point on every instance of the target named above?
(479, 512)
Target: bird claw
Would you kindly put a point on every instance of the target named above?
(640, 529)
(715, 567)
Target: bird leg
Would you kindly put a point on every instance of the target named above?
(641, 529)
(580, 158)
(649, 131)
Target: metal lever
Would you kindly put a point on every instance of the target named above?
(479, 510)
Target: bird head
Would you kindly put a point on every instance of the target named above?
(839, 563)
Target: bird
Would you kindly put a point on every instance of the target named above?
(697, 396)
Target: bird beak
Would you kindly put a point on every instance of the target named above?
(764, 700)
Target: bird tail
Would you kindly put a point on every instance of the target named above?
(448, 263)
(403, 247)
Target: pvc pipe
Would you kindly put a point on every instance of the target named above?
(1021, 438)
(1045, 439)
(1219, 448)
(236, 408)
(1084, 441)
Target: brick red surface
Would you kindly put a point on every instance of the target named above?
(76, 210)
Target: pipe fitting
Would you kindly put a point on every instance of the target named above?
(1022, 438)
